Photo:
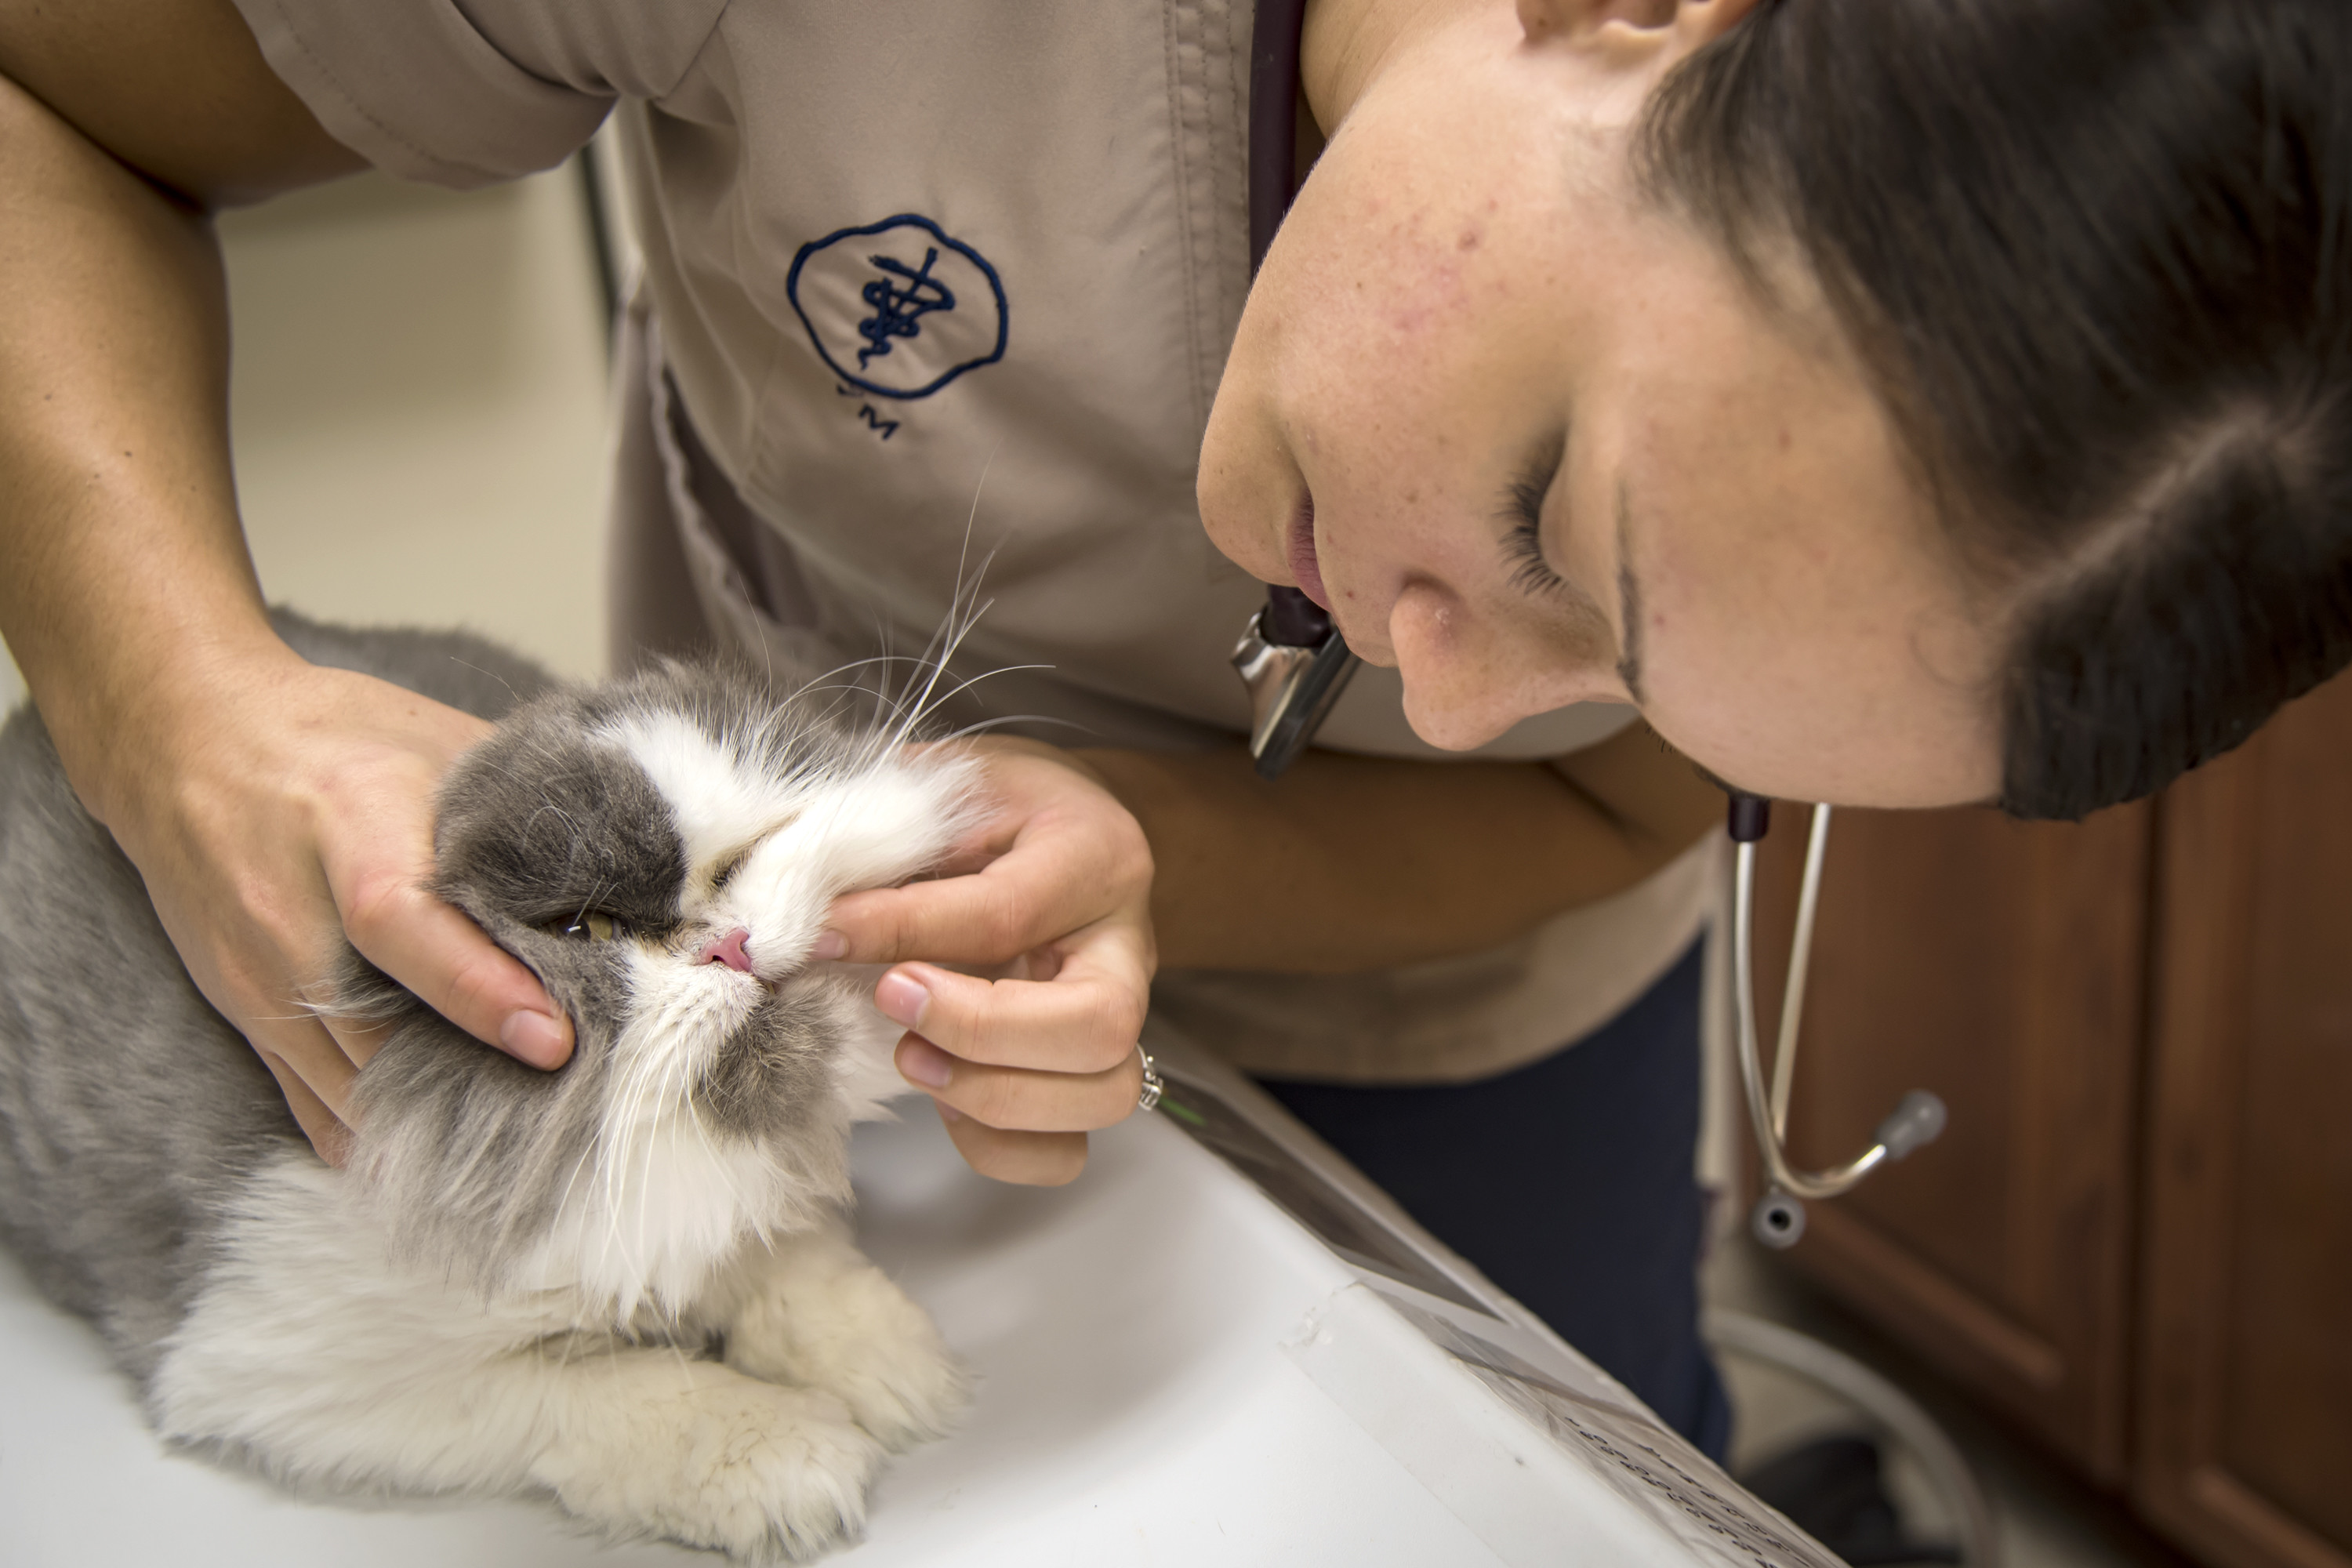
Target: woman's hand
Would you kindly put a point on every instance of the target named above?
(1054, 893)
(278, 808)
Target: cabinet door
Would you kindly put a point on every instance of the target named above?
(2245, 1419)
(2001, 965)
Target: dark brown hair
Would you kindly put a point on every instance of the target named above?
(2096, 256)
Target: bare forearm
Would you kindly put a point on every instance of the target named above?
(120, 553)
(1352, 863)
(123, 574)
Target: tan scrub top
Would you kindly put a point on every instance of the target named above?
(933, 286)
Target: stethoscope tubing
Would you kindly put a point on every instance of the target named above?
(1779, 1217)
(1768, 1110)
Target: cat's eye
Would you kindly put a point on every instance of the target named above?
(595, 926)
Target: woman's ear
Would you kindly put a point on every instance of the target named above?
(1694, 21)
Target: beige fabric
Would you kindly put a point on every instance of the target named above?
(843, 207)
(1454, 1019)
(1446, 1021)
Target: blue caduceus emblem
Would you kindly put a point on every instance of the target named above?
(898, 308)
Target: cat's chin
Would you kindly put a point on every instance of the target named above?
(670, 1198)
(644, 1253)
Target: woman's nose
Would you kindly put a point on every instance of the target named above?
(1468, 681)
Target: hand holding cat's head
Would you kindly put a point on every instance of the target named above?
(660, 851)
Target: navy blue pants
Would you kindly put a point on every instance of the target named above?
(1569, 1183)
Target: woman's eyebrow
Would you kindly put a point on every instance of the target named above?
(1629, 599)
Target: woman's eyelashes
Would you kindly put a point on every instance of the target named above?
(1523, 504)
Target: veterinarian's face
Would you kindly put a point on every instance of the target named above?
(1532, 441)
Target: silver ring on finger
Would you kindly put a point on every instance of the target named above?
(1148, 1098)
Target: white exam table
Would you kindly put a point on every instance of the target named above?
(1172, 1370)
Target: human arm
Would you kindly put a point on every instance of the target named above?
(267, 804)
(1351, 863)
(1124, 860)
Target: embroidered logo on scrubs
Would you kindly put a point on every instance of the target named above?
(898, 308)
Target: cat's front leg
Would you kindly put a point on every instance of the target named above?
(645, 1442)
(814, 1311)
(312, 1351)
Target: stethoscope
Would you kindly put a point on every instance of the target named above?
(1779, 1217)
(1296, 664)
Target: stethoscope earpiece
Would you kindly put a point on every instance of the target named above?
(1778, 1221)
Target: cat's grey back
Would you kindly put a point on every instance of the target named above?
(457, 669)
(129, 1109)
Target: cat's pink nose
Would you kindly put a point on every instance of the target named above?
(728, 950)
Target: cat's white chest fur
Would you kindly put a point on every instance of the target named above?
(316, 1352)
(665, 1201)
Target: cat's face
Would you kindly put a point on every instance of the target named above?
(661, 852)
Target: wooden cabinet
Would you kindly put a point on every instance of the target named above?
(2135, 1238)
(2244, 1426)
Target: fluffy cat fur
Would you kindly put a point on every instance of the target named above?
(628, 1282)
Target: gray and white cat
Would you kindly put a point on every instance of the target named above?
(628, 1282)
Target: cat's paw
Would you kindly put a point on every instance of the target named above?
(827, 1319)
(761, 1472)
(890, 1365)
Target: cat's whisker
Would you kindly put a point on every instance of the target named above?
(548, 809)
(919, 707)
(981, 726)
(814, 683)
(906, 730)
(563, 1199)
(490, 674)
(734, 1189)
(947, 642)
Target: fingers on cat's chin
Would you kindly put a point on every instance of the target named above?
(1018, 1159)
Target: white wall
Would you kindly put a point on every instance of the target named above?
(418, 410)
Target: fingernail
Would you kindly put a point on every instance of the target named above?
(533, 1037)
(948, 1113)
(923, 1062)
(902, 1000)
(830, 944)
